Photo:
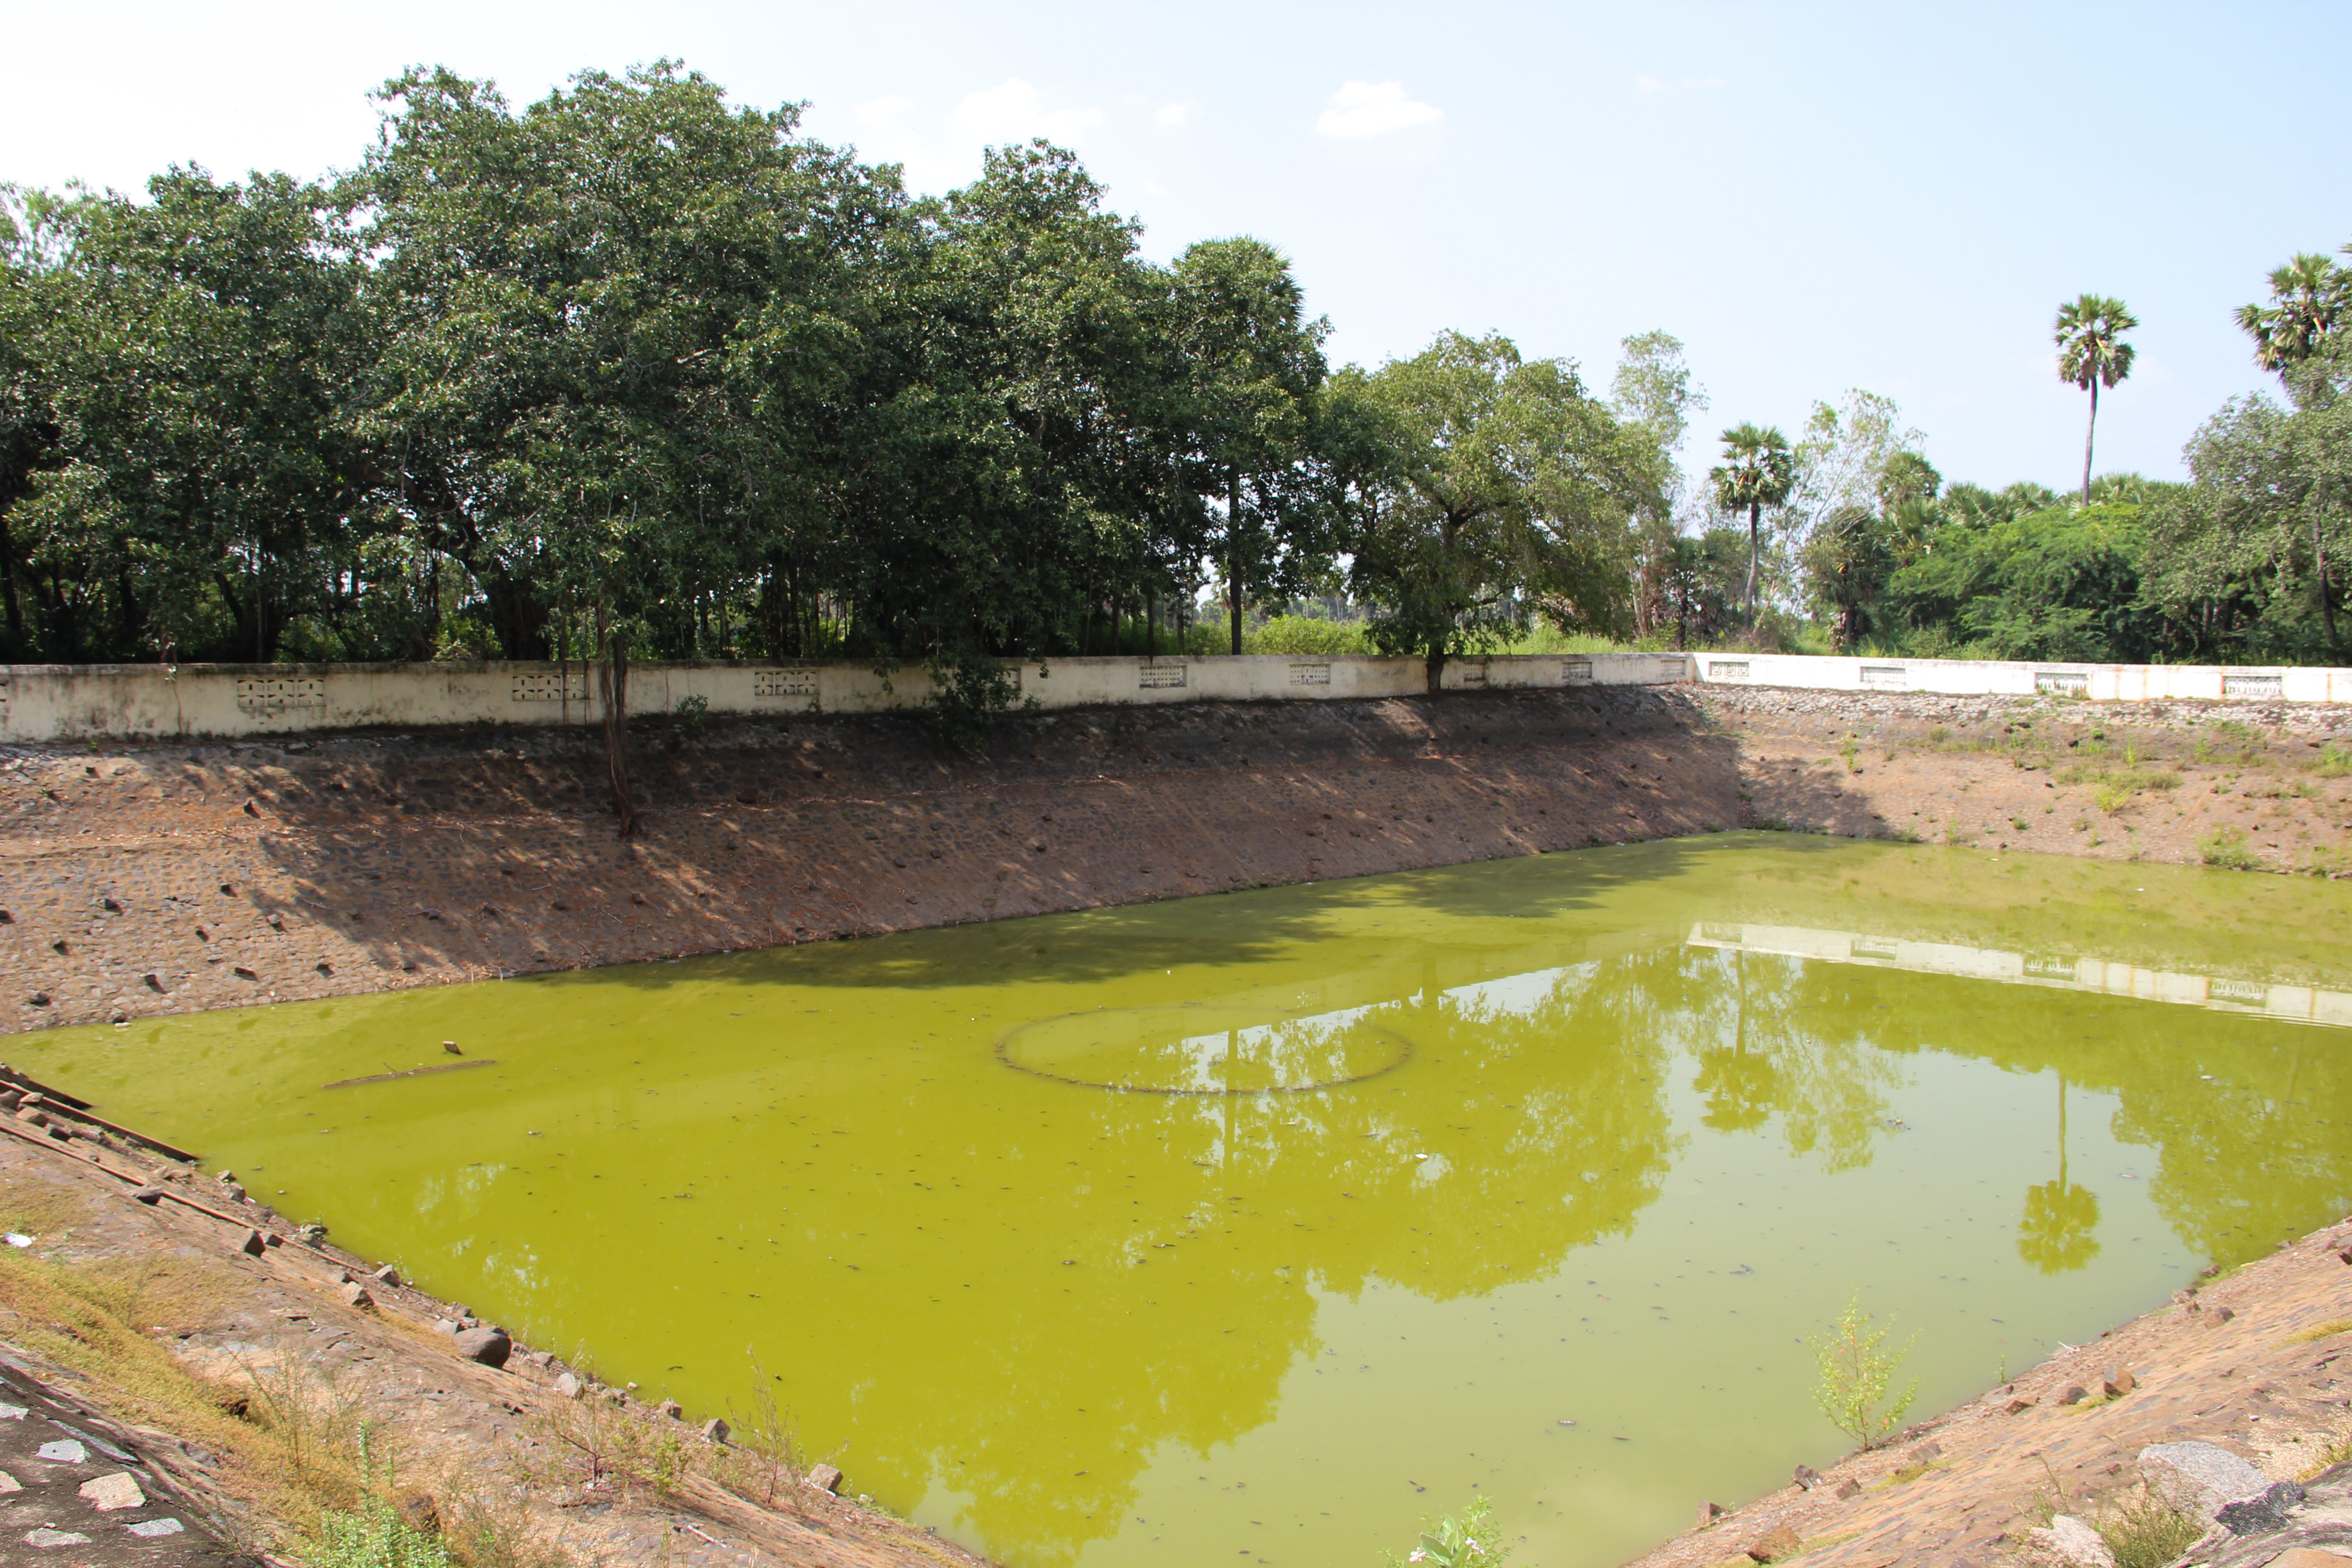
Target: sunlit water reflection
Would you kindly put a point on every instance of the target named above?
(1257, 1227)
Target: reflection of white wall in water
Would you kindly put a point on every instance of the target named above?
(2299, 1003)
(1512, 993)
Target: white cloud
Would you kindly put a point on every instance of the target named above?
(1648, 83)
(1175, 116)
(1362, 109)
(883, 111)
(1013, 111)
(1645, 82)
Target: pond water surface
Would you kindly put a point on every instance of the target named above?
(1256, 1227)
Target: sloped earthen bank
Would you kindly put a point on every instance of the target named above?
(173, 879)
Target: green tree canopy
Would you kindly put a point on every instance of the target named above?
(1508, 491)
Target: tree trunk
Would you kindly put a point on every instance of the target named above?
(2090, 431)
(2327, 610)
(1233, 550)
(614, 682)
(1435, 659)
(19, 645)
(1755, 549)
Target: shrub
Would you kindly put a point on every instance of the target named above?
(1458, 1542)
(1857, 1374)
(1307, 634)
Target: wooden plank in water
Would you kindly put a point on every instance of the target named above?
(411, 1072)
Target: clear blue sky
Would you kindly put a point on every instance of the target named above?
(1812, 197)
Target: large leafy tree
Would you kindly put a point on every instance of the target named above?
(1653, 395)
(565, 289)
(1758, 469)
(2092, 353)
(1508, 490)
(1255, 368)
(197, 354)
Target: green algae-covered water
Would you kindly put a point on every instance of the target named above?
(1258, 1226)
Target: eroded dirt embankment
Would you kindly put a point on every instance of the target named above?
(172, 879)
(160, 880)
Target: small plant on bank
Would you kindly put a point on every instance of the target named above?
(2335, 761)
(372, 1535)
(1851, 750)
(1854, 1388)
(1464, 1542)
(2145, 1533)
(694, 713)
(2229, 849)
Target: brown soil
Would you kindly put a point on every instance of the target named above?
(164, 880)
(500, 1448)
(2265, 785)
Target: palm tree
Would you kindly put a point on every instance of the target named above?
(2061, 1218)
(1759, 470)
(2091, 353)
(2308, 297)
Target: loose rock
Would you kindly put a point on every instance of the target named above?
(2071, 1542)
(253, 1246)
(568, 1387)
(489, 1346)
(2120, 1382)
(108, 1493)
(671, 1408)
(355, 1295)
(825, 1477)
(1780, 1541)
(1807, 1477)
(2255, 1516)
(716, 1431)
(2199, 1479)
(2074, 1394)
(1708, 1512)
(387, 1275)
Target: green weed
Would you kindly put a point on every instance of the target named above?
(2328, 1330)
(2228, 848)
(2334, 762)
(2145, 1533)
(1451, 1543)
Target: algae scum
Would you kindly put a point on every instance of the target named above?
(1257, 1227)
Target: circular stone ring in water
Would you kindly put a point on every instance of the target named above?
(1207, 1049)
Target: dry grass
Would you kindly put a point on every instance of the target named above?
(94, 1321)
(2328, 1330)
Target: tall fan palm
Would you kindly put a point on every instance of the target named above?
(2308, 299)
(1758, 469)
(2092, 353)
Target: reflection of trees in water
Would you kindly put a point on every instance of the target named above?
(1770, 1038)
(1200, 1227)
(1546, 1127)
(2056, 1233)
(2242, 1160)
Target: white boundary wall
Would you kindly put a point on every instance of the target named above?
(44, 703)
(1984, 677)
